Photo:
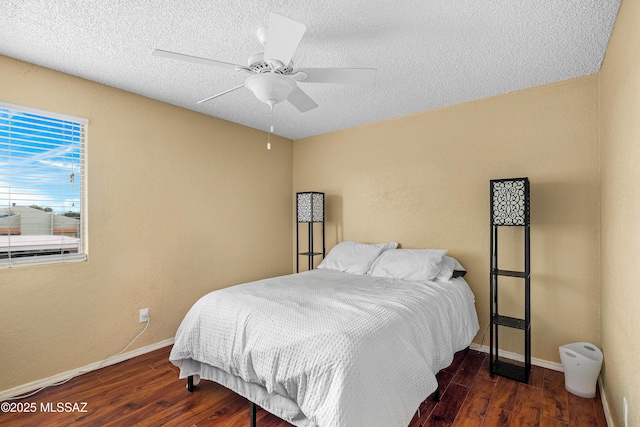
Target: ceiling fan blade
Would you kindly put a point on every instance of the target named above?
(283, 38)
(220, 94)
(355, 76)
(301, 100)
(189, 58)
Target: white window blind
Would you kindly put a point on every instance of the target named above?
(42, 194)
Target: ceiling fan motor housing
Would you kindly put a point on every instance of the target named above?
(257, 64)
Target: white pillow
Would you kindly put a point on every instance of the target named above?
(446, 271)
(409, 264)
(450, 268)
(354, 257)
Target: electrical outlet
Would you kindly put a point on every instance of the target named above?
(625, 411)
(144, 315)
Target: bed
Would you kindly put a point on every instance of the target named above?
(338, 346)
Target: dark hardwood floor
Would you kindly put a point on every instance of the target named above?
(146, 391)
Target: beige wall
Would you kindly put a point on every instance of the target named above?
(423, 181)
(620, 169)
(179, 204)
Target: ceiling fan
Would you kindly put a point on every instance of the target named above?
(273, 77)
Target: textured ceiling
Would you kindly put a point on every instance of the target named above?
(429, 53)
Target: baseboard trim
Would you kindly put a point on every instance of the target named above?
(554, 366)
(45, 382)
(605, 402)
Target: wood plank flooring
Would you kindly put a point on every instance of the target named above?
(145, 391)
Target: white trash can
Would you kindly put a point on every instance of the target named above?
(581, 362)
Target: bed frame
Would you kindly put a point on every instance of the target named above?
(252, 406)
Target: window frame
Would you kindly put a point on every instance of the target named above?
(81, 255)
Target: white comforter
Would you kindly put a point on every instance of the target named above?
(349, 350)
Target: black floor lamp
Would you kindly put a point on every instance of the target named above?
(310, 211)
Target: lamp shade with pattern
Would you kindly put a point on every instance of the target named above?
(510, 202)
(310, 206)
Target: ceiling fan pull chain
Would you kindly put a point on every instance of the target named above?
(270, 127)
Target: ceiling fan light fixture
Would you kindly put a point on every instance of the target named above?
(271, 88)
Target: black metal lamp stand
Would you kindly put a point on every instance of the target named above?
(510, 208)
